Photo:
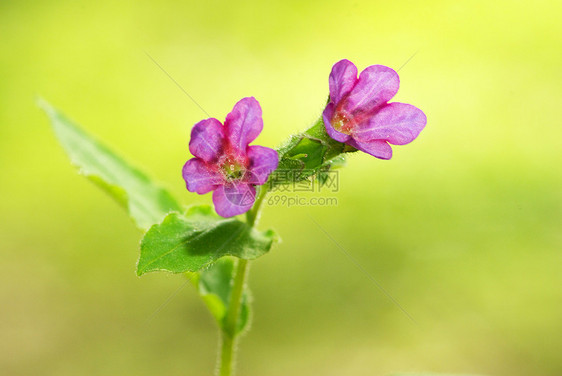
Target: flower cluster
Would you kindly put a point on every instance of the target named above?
(358, 114)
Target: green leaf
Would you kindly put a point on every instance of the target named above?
(193, 241)
(214, 287)
(323, 174)
(146, 202)
(307, 154)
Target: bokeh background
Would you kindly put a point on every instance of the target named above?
(462, 227)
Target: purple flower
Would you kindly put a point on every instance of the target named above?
(359, 115)
(225, 163)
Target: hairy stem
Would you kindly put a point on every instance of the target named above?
(230, 333)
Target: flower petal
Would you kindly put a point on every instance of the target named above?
(327, 116)
(377, 148)
(342, 79)
(397, 123)
(244, 123)
(234, 198)
(263, 161)
(200, 177)
(207, 139)
(377, 85)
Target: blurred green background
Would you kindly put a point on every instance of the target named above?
(462, 227)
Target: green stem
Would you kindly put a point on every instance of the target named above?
(229, 333)
(252, 215)
(226, 356)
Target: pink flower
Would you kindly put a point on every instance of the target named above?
(358, 113)
(225, 163)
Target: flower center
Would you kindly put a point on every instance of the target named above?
(232, 169)
(343, 123)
